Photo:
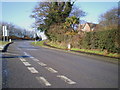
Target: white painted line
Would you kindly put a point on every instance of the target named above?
(31, 57)
(42, 64)
(67, 80)
(31, 49)
(43, 81)
(22, 59)
(32, 70)
(19, 49)
(51, 70)
(35, 59)
(26, 54)
(11, 54)
(26, 64)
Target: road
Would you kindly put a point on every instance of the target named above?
(26, 66)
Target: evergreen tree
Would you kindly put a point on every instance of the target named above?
(48, 13)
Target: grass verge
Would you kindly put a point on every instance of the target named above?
(3, 43)
(98, 52)
(41, 43)
(38, 43)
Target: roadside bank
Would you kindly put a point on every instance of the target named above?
(77, 51)
(4, 46)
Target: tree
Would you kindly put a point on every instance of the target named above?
(14, 30)
(48, 13)
(109, 20)
(58, 20)
(71, 22)
(76, 11)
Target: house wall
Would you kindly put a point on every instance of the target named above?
(86, 28)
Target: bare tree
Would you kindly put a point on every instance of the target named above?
(109, 20)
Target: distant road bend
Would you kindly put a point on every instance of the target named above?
(27, 66)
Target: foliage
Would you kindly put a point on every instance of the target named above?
(103, 40)
(14, 30)
(71, 22)
(48, 13)
(77, 12)
(39, 43)
(109, 20)
(55, 33)
(64, 47)
(58, 20)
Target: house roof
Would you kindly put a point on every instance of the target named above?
(90, 24)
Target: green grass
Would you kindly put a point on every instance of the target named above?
(56, 45)
(3, 43)
(40, 43)
(85, 50)
(90, 51)
(98, 52)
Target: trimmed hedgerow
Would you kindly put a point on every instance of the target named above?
(103, 40)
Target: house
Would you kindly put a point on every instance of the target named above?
(87, 27)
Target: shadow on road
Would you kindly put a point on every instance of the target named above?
(29, 47)
(15, 56)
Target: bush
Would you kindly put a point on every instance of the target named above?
(107, 40)
(103, 40)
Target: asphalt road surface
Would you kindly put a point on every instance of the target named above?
(26, 66)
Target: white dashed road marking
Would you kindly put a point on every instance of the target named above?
(31, 49)
(22, 59)
(42, 64)
(43, 81)
(26, 54)
(67, 80)
(19, 49)
(35, 59)
(51, 70)
(26, 64)
(31, 57)
(32, 70)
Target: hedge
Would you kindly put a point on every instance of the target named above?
(103, 40)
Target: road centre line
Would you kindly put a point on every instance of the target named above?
(67, 80)
(42, 80)
(26, 64)
(26, 54)
(35, 59)
(51, 70)
(42, 64)
(31, 49)
(19, 49)
(31, 57)
(22, 59)
(32, 70)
